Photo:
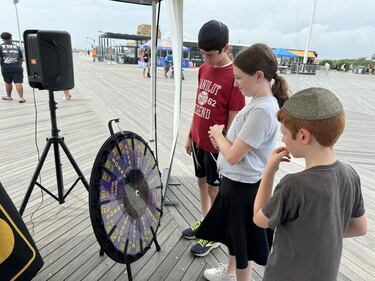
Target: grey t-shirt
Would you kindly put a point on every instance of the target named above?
(310, 211)
(256, 124)
(10, 58)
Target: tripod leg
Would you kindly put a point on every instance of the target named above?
(74, 164)
(59, 176)
(101, 252)
(35, 176)
(128, 269)
(154, 239)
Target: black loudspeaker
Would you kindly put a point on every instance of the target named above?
(49, 59)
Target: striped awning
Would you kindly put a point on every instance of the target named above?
(310, 54)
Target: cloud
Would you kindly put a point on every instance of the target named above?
(341, 28)
(328, 43)
(353, 43)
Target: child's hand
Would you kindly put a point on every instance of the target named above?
(280, 154)
(188, 145)
(214, 144)
(216, 130)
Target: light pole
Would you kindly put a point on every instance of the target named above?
(312, 15)
(18, 23)
(93, 41)
(101, 44)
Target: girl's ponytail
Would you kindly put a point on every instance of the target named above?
(280, 89)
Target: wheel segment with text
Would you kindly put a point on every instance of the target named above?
(125, 197)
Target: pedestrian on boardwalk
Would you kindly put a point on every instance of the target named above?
(244, 151)
(217, 101)
(145, 60)
(11, 59)
(93, 54)
(67, 95)
(168, 62)
(327, 66)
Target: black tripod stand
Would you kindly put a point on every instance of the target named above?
(56, 140)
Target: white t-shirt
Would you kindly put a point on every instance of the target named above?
(256, 124)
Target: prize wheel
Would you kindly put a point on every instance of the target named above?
(125, 197)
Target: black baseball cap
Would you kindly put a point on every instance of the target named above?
(213, 35)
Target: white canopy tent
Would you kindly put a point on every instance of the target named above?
(175, 15)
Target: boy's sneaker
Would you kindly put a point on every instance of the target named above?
(219, 274)
(203, 247)
(189, 233)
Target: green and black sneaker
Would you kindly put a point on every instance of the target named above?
(203, 247)
(189, 233)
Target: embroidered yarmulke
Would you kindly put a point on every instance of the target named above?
(313, 104)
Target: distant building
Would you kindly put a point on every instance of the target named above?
(311, 55)
(145, 30)
(196, 57)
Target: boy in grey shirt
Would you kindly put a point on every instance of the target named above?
(313, 210)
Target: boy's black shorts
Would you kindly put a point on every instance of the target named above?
(205, 165)
(13, 76)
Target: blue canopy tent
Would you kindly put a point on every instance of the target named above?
(283, 53)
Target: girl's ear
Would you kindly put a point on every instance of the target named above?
(304, 136)
(259, 75)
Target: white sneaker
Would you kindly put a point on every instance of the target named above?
(219, 274)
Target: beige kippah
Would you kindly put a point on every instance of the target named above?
(313, 104)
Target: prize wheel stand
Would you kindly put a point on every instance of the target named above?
(125, 197)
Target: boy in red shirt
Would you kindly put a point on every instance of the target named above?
(217, 102)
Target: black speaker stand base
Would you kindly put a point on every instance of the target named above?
(56, 141)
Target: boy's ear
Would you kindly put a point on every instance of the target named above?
(304, 136)
(226, 47)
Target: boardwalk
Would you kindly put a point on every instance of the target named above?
(63, 233)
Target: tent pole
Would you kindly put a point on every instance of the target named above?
(153, 79)
(175, 15)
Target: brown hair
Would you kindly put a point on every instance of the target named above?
(260, 57)
(6, 36)
(326, 131)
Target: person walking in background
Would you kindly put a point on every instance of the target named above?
(312, 210)
(93, 54)
(217, 101)
(11, 59)
(145, 60)
(327, 66)
(244, 151)
(168, 62)
(148, 62)
(67, 95)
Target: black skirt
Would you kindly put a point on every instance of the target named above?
(230, 221)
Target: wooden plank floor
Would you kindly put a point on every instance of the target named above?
(63, 233)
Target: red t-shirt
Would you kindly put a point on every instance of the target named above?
(216, 96)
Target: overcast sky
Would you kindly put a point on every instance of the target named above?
(342, 28)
